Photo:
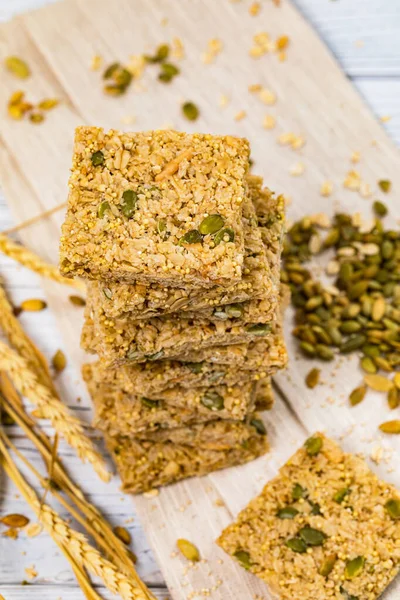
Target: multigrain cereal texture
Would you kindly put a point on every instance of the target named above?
(326, 528)
(260, 271)
(126, 413)
(138, 203)
(173, 455)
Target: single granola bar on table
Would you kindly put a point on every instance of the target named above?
(260, 274)
(170, 455)
(116, 407)
(326, 528)
(157, 206)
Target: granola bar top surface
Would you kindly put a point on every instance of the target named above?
(147, 464)
(325, 528)
(159, 206)
(120, 341)
(214, 401)
(260, 276)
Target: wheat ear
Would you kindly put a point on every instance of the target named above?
(74, 542)
(68, 426)
(32, 261)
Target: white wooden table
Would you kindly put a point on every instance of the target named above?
(365, 37)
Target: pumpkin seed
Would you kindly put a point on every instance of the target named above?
(122, 534)
(315, 508)
(312, 378)
(103, 208)
(327, 565)
(385, 185)
(59, 361)
(129, 203)
(234, 311)
(298, 492)
(188, 550)
(394, 398)
(350, 327)
(258, 426)
(396, 380)
(288, 512)
(36, 117)
(324, 352)
(312, 537)
(160, 55)
(297, 545)
(33, 305)
(354, 567)
(379, 208)
(340, 495)
(244, 558)
(224, 235)
(353, 343)
(313, 445)
(357, 289)
(392, 427)
(108, 293)
(368, 365)
(110, 70)
(392, 507)
(168, 72)
(191, 237)
(195, 367)
(48, 103)
(379, 383)
(259, 329)
(77, 300)
(17, 67)
(149, 403)
(212, 400)
(190, 111)
(358, 395)
(155, 355)
(211, 224)
(14, 520)
(97, 158)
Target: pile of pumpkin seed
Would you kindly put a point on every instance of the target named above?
(360, 311)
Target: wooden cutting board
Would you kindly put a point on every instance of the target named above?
(314, 100)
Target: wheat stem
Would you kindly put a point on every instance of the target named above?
(36, 218)
(32, 261)
(63, 422)
(76, 543)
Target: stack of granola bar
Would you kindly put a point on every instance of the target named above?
(182, 249)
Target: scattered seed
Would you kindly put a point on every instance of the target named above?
(312, 378)
(313, 445)
(188, 550)
(358, 395)
(33, 305)
(122, 534)
(190, 111)
(368, 365)
(385, 185)
(59, 361)
(392, 427)
(14, 520)
(48, 103)
(379, 383)
(394, 398)
(379, 208)
(77, 300)
(17, 67)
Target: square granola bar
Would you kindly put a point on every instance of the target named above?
(167, 456)
(260, 271)
(157, 206)
(326, 528)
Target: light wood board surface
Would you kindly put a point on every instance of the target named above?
(314, 99)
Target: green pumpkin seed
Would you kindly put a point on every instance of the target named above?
(168, 72)
(212, 400)
(298, 492)
(129, 203)
(307, 348)
(392, 507)
(350, 327)
(312, 537)
(358, 395)
(312, 378)
(368, 365)
(340, 495)
(387, 249)
(150, 403)
(353, 343)
(324, 352)
(288, 512)
(315, 508)
(297, 545)
(211, 224)
(188, 550)
(110, 70)
(385, 185)
(97, 158)
(379, 208)
(327, 565)
(162, 227)
(108, 293)
(258, 426)
(234, 311)
(103, 208)
(161, 54)
(313, 445)
(224, 235)
(191, 237)
(394, 398)
(17, 67)
(190, 111)
(259, 329)
(244, 558)
(357, 289)
(354, 567)
(195, 367)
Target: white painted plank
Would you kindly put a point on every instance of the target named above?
(61, 591)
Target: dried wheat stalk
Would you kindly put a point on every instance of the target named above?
(68, 426)
(22, 343)
(32, 261)
(74, 542)
(89, 517)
